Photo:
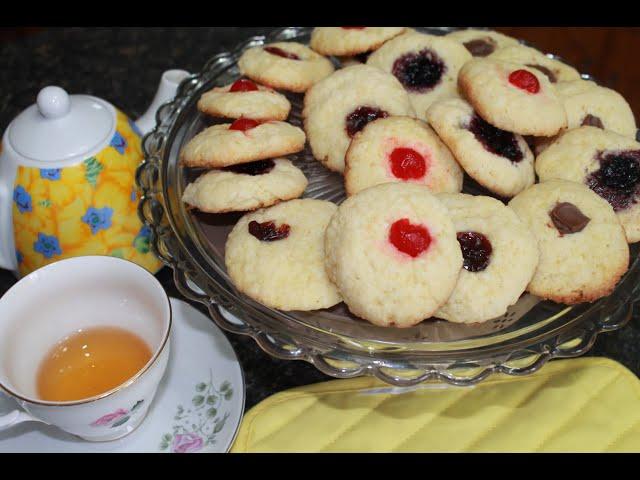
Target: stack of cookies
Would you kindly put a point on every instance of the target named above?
(404, 120)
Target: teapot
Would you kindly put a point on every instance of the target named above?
(67, 180)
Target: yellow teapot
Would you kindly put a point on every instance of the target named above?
(67, 180)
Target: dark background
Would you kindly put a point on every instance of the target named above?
(123, 66)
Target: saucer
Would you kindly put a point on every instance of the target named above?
(198, 406)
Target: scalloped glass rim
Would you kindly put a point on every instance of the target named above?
(323, 329)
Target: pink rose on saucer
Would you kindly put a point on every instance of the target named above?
(186, 443)
(110, 418)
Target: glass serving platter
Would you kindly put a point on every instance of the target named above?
(336, 342)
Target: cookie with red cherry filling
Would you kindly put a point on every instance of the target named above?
(247, 186)
(286, 66)
(392, 252)
(340, 106)
(500, 257)
(245, 140)
(426, 65)
(245, 98)
(606, 162)
(349, 41)
(482, 43)
(400, 149)
(554, 70)
(500, 161)
(512, 97)
(583, 249)
(276, 256)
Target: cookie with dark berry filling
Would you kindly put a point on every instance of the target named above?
(287, 66)
(498, 160)
(276, 256)
(607, 162)
(500, 256)
(426, 65)
(342, 104)
(247, 186)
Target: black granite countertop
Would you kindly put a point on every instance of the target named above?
(123, 66)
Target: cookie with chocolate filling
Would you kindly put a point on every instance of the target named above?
(583, 249)
(482, 43)
(606, 162)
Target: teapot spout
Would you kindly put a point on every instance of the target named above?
(166, 91)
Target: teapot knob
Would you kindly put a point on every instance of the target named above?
(53, 102)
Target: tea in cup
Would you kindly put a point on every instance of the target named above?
(84, 344)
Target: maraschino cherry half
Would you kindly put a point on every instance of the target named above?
(525, 80)
(243, 85)
(409, 238)
(407, 164)
(244, 124)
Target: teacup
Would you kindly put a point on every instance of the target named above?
(82, 293)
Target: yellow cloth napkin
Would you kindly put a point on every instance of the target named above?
(578, 405)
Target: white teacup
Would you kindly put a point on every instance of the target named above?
(81, 293)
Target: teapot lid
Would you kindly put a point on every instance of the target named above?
(60, 127)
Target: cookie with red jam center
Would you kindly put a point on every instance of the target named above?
(500, 256)
(245, 98)
(554, 70)
(392, 252)
(582, 245)
(512, 97)
(243, 141)
(498, 160)
(340, 106)
(426, 65)
(608, 163)
(400, 149)
(276, 256)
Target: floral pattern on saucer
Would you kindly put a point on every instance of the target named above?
(197, 426)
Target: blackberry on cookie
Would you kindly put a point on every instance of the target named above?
(426, 65)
